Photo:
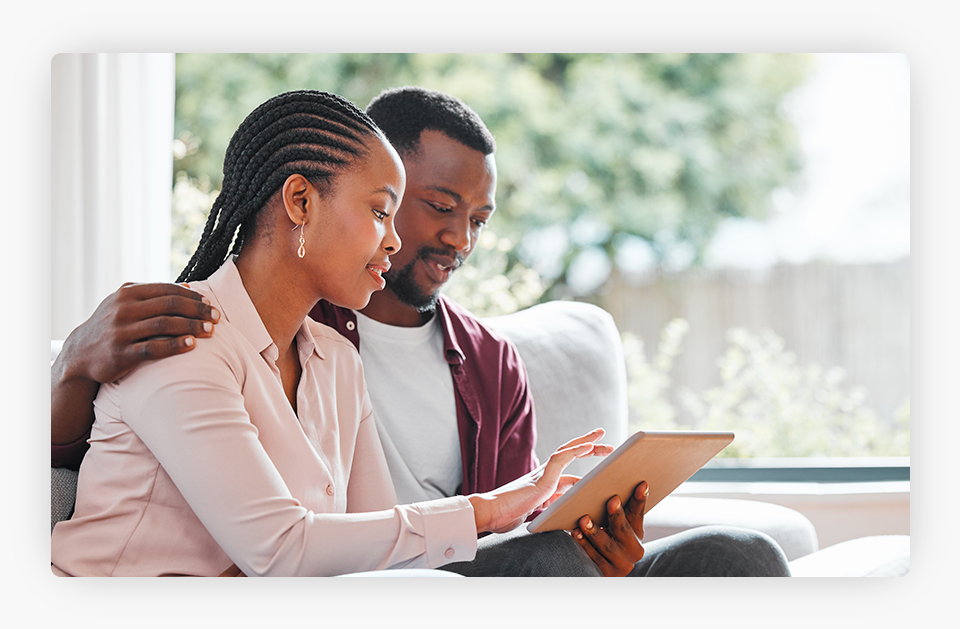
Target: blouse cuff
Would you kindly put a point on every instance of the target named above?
(450, 530)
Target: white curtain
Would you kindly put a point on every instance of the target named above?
(111, 166)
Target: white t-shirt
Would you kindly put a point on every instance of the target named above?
(411, 389)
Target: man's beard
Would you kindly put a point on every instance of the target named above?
(407, 290)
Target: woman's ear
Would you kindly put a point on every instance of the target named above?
(296, 195)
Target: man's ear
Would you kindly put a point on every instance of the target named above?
(297, 197)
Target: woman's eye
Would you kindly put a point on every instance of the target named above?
(479, 223)
(380, 214)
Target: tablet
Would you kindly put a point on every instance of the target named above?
(664, 459)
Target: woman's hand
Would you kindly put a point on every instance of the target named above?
(506, 507)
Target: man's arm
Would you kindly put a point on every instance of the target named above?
(136, 323)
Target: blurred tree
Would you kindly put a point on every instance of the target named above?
(600, 156)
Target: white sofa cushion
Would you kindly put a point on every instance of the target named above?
(875, 556)
(574, 357)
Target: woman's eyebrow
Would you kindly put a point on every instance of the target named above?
(388, 190)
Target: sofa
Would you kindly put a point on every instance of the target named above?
(574, 359)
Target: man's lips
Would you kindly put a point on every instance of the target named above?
(440, 267)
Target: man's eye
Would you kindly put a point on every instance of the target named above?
(479, 222)
(441, 208)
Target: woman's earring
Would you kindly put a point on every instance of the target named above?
(301, 251)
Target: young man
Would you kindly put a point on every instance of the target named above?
(463, 420)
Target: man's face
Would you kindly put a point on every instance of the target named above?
(448, 199)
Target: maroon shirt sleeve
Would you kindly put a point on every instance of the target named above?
(495, 411)
(518, 433)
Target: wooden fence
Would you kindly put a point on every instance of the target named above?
(853, 316)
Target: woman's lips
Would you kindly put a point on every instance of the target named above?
(376, 271)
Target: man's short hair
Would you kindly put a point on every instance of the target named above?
(403, 113)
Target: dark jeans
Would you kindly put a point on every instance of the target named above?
(708, 551)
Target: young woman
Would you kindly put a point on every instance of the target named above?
(257, 450)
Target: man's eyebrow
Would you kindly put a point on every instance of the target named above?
(458, 198)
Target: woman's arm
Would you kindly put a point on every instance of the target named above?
(192, 414)
(189, 411)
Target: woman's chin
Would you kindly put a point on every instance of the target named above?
(353, 302)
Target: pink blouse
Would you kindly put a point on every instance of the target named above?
(198, 461)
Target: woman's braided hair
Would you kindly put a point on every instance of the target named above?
(315, 134)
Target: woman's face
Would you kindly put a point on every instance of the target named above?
(349, 245)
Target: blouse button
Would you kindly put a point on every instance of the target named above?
(329, 490)
(351, 325)
(449, 553)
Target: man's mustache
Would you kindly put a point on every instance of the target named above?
(455, 257)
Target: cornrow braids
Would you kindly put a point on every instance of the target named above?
(315, 134)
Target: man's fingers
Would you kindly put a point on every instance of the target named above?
(173, 306)
(622, 532)
(636, 507)
(588, 547)
(164, 326)
(160, 348)
(143, 301)
(157, 289)
(609, 556)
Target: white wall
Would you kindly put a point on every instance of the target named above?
(111, 176)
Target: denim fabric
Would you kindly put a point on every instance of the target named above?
(708, 551)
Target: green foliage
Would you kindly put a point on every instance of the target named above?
(655, 146)
(776, 407)
(649, 382)
(192, 201)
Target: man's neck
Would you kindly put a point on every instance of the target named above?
(386, 308)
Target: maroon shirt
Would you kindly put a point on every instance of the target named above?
(495, 415)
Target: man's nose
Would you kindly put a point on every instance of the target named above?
(458, 235)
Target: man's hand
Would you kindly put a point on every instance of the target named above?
(615, 548)
(138, 322)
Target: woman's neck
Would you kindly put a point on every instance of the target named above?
(273, 288)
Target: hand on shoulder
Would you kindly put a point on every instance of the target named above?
(136, 323)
